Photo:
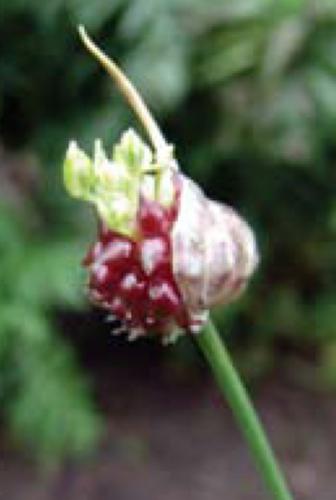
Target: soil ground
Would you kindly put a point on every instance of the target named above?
(170, 437)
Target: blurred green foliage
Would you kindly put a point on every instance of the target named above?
(247, 91)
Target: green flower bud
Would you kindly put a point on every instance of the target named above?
(107, 173)
(133, 152)
(78, 172)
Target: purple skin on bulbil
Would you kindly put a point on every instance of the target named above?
(133, 277)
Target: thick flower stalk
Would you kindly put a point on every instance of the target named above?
(165, 253)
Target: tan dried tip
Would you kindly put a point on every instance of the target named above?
(128, 90)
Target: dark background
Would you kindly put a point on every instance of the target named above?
(247, 92)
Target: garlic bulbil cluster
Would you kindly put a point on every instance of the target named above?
(165, 253)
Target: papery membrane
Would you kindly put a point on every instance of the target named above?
(214, 252)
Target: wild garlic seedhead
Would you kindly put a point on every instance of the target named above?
(165, 253)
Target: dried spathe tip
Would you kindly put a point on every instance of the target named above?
(128, 90)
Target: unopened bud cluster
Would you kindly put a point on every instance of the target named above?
(114, 184)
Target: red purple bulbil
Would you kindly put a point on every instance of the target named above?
(133, 278)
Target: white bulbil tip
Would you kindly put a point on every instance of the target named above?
(121, 330)
(172, 337)
(151, 254)
(135, 333)
(110, 318)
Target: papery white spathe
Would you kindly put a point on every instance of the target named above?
(214, 252)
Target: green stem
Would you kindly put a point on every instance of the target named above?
(232, 388)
